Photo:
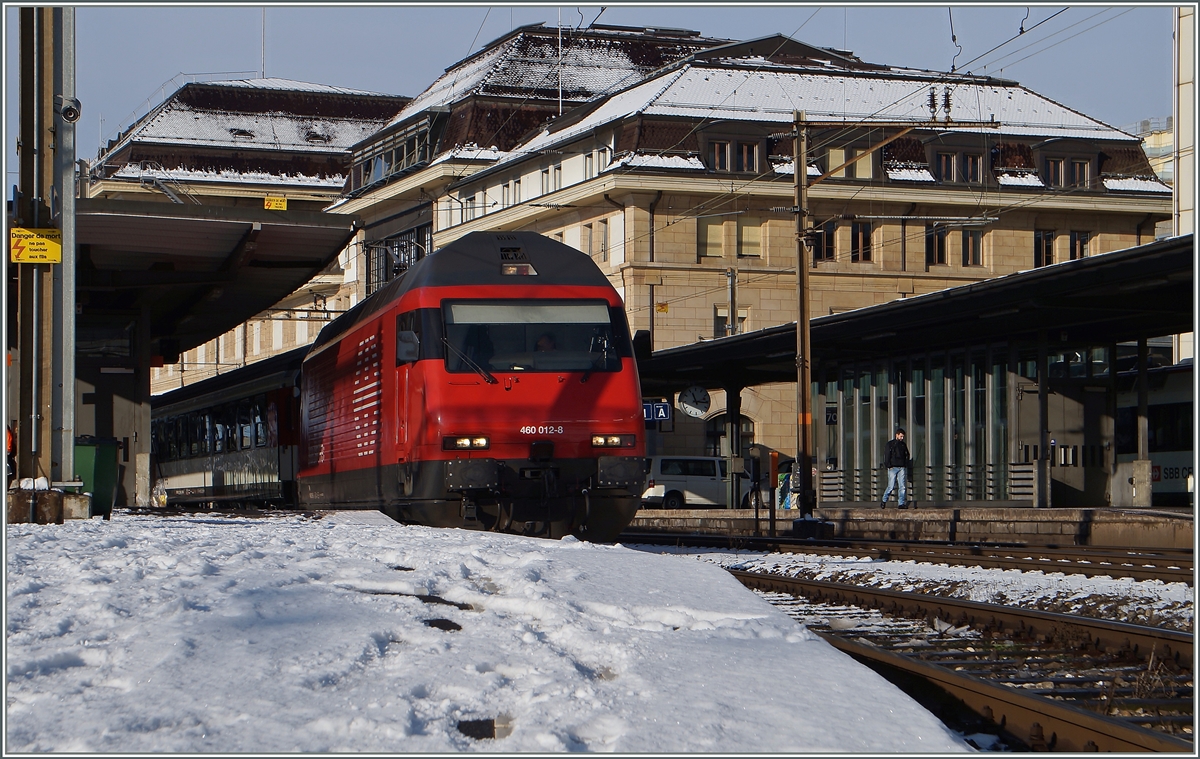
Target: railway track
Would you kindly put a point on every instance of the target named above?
(1165, 565)
(1047, 681)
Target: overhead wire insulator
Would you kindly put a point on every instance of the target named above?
(946, 102)
(932, 103)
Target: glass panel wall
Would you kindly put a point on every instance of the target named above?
(863, 489)
(918, 446)
(831, 421)
(999, 417)
(883, 426)
(977, 455)
(849, 462)
(956, 410)
(936, 469)
(956, 472)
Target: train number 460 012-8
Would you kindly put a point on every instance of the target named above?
(542, 430)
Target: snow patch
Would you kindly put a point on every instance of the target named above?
(347, 633)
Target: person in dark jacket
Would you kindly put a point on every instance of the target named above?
(895, 458)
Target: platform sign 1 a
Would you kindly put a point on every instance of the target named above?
(35, 246)
(656, 412)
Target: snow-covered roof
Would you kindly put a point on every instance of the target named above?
(647, 161)
(1135, 184)
(291, 85)
(788, 168)
(526, 65)
(909, 174)
(469, 152)
(229, 176)
(280, 114)
(1019, 179)
(719, 91)
(180, 124)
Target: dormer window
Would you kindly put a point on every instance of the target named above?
(311, 135)
(718, 155)
(945, 166)
(1054, 172)
(241, 134)
(747, 157)
(1081, 173)
(726, 155)
(973, 168)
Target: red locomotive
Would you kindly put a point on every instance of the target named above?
(491, 386)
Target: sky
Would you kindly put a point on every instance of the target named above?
(1110, 62)
(212, 634)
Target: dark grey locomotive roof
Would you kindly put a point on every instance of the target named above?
(476, 259)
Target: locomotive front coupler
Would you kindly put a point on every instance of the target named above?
(467, 510)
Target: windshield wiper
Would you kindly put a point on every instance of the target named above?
(467, 360)
(596, 364)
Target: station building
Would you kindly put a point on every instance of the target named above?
(667, 157)
(232, 144)
(681, 186)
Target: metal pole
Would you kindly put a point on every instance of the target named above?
(36, 192)
(772, 480)
(731, 324)
(733, 436)
(1043, 459)
(63, 382)
(801, 479)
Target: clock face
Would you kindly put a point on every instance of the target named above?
(694, 401)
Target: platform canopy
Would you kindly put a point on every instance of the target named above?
(1147, 291)
(196, 271)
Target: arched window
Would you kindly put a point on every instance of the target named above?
(714, 436)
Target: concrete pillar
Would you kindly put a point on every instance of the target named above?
(734, 464)
(1143, 485)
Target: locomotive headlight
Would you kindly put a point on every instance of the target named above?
(614, 441)
(465, 443)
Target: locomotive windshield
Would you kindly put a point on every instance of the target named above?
(532, 336)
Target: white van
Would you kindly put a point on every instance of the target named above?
(677, 482)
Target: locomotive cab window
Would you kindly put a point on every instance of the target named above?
(408, 338)
(533, 336)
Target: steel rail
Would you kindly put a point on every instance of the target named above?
(1042, 723)
(1104, 634)
(1040, 719)
(1156, 565)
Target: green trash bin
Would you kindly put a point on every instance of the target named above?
(96, 465)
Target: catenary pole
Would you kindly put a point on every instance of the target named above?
(63, 330)
(801, 480)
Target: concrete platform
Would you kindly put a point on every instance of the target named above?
(1116, 527)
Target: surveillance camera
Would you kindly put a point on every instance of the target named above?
(68, 109)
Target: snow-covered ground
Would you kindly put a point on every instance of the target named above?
(353, 633)
(1154, 603)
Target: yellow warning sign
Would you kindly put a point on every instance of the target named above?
(275, 204)
(662, 308)
(35, 246)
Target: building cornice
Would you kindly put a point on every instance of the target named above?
(109, 187)
(593, 191)
(407, 188)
